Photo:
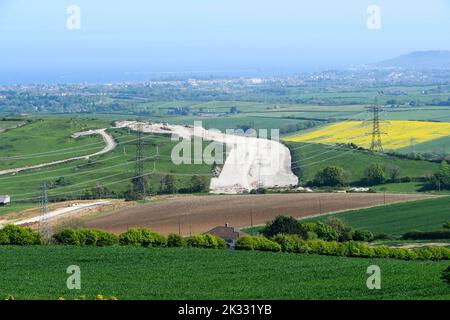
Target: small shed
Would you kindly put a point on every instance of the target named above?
(5, 200)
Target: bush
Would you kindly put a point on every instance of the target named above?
(294, 244)
(19, 236)
(288, 243)
(175, 241)
(362, 235)
(331, 176)
(446, 225)
(142, 237)
(344, 232)
(285, 225)
(67, 236)
(432, 253)
(427, 235)
(326, 232)
(105, 239)
(374, 174)
(446, 275)
(382, 236)
(257, 243)
(358, 249)
(85, 237)
(207, 241)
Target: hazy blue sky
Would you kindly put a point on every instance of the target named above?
(208, 35)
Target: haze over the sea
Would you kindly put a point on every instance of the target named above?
(133, 40)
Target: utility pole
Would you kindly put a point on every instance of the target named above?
(251, 219)
(44, 224)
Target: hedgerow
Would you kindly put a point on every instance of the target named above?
(85, 237)
(293, 244)
(142, 237)
(258, 243)
(19, 236)
(206, 241)
(175, 241)
(427, 235)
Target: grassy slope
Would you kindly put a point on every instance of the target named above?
(317, 156)
(441, 145)
(399, 218)
(5, 125)
(139, 273)
(106, 169)
(45, 140)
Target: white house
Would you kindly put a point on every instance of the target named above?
(5, 200)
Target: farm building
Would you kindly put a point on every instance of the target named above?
(227, 233)
(5, 200)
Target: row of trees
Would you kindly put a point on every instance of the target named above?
(374, 174)
(168, 184)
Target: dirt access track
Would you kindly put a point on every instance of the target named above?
(197, 214)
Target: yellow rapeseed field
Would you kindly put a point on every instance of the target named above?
(399, 134)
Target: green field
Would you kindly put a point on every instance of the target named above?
(396, 219)
(315, 157)
(49, 139)
(113, 170)
(10, 124)
(142, 273)
(393, 219)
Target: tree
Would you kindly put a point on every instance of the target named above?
(374, 174)
(170, 184)
(393, 172)
(285, 225)
(344, 232)
(131, 195)
(441, 179)
(331, 176)
(234, 110)
(199, 184)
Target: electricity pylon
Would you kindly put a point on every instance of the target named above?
(139, 180)
(376, 133)
(44, 225)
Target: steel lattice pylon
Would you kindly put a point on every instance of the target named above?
(44, 225)
(376, 144)
(139, 180)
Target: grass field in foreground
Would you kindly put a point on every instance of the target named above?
(142, 273)
(396, 219)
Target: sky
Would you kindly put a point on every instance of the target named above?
(134, 39)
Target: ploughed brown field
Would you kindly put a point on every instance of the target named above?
(197, 214)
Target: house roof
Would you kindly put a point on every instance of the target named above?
(226, 233)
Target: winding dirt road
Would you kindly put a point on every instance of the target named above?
(108, 139)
